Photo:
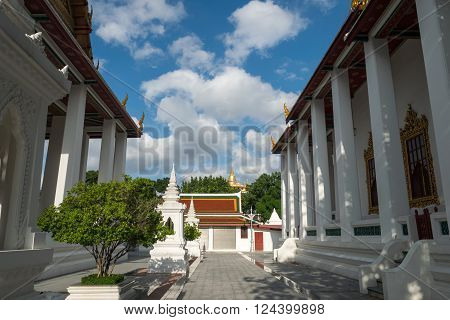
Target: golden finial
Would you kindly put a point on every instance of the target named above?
(124, 101)
(232, 177)
(273, 142)
(359, 5)
(286, 111)
(141, 123)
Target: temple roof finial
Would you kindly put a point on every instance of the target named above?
(273, 142)
(124, 101)
(286, 111)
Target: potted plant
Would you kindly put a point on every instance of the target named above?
(108, 220)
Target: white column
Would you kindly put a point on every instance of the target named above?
(322, 191)
(84, 157)
(293, 189)
(105, 171)
(52, 163)
(120, 156)
(304, 177)
(36, 165)
(210, 239)
(391, 181)
(348, 203)
(69, 165)
(284, 194)
(434, 30)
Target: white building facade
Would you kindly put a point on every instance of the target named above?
(50, 90)
(225, 227)
(364, 156)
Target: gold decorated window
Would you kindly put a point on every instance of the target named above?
(418, 161)
(371, 177)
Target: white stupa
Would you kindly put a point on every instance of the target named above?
(170, 256)
(193, 247)
(191, 217)
(274, 219)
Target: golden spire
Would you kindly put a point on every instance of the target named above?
(359, 5)
(141, 123)
(286, 111)
(232, 177)
(124, 101)
(273, 142)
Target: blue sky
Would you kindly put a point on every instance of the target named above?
(211, 76)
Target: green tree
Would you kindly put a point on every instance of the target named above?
(207, 185)
(91, 176)
(161, 184)
(108, 219)
(263, 195)
(191, 232)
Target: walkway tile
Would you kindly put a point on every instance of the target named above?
(227, 276)
(320, 284)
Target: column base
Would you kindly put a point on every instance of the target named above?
(193, 248)
(168, 258)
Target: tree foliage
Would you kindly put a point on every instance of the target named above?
(108, 219)
(207, 185)
(91, 176)
(161, 184)
(263, 195)
(191, 232)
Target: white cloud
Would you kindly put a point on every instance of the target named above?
(198, 109)
(230, 95)
(189, 54)
(126, 22)
(145, 52)
(325, 5)
(259, 26)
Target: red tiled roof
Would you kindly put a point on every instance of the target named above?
(213, 205)
(236, 221)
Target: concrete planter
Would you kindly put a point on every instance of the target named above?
(121, 291)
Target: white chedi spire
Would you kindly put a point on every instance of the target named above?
(170, 255)
(274, 219)
(172, 192)
(191, 216)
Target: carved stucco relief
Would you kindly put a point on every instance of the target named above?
(11, 96)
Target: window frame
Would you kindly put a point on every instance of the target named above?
(244, 235)
(368, 156)
(413, 128)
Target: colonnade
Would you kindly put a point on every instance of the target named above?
(306, 188)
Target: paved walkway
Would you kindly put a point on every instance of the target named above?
(316, 283)
(226, 276)
(61, 283)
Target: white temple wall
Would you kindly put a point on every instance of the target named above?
(333, 182)
(410, 81)
(361, 122)
(243, 244)
(410, 88)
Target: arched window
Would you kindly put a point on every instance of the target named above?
(418, 161)
(371, 177)
(169, 224)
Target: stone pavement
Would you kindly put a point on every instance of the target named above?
(226, 276)
(316, 283)
(61, 283)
